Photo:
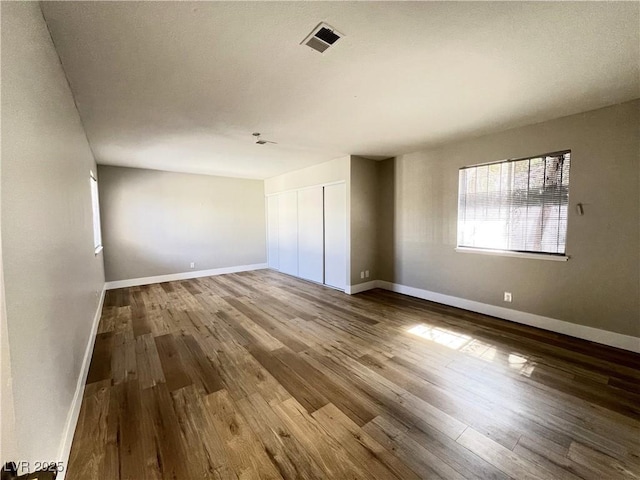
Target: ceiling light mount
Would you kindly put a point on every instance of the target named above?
(260, 141)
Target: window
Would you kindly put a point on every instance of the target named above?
(515, 205)
(97, 234)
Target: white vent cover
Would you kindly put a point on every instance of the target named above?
(322, 37)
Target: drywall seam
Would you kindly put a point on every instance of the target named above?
(134, 282)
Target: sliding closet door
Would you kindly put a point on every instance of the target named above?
(310, 234)
(272, 232)
(335, 236)
(288, 232)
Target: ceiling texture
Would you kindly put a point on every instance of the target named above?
(181, 86)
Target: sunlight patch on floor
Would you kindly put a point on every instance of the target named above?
(441, 335)
(473, 347)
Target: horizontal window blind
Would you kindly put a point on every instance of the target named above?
(516, 205)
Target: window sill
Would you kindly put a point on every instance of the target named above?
(506, 253)
(98, 249)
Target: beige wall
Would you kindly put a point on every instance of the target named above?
(599, 285)
(364, 218)
(385, 209)
(52, 278)
(157, 223)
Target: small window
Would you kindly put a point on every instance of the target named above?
(515, 205)
(95, 204)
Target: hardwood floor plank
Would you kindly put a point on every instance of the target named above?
(262, 375)
(249, 331)
(497, 395)
(199, 367)
(308, 396)
(149, 367)
(140, 322)
(126, 398)
(107, 319)
(96, 458)
(123, 359)
(327, 453)
(204, 446)
(100, 367)
(399, 400)
(345, 313)
(174, 370)
(162, 444)
(553, 457)
(117, 298)
(241, 373)
(246, 453)
(484, 420)
(420, 460)
(191, 287)
(374, 458)
(605, 465)
(502, 458)
(284, 450)
(349, 404)
(244, 376)
(267, 324)
(458, 457)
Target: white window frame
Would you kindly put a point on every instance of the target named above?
(95, 213)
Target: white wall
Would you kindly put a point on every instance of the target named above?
(156, 223)
(52, 277)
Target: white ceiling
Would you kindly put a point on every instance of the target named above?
(181, 86)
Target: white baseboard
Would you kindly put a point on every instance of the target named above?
(361, 287)
(74, 411)
(613, 339)
(134, 282)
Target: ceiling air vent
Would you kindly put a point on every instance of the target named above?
(322, 37)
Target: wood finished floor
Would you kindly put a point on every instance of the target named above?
(260, 375)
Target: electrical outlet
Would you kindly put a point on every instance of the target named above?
(362, 274)
(193, 265)
(366, 273)
(507, 297)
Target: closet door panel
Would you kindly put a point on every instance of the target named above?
(288, 232)
(311, 234)
(272, 232)
(335, 236)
